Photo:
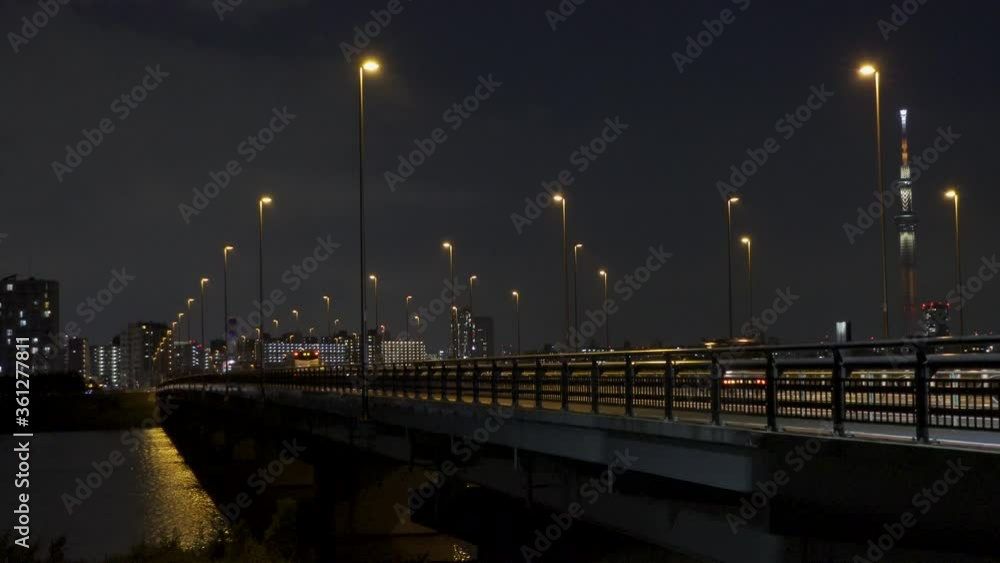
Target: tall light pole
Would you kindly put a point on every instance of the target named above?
(204, 282)
(367, 66)
(576, 298)
(607, 320)
(746, 242)
(472, 315)
(326, 299)
(190, 300)
(953, 194)
(225, 295)
(276, 324)
(517, 322)
(406, 313)
(565, 264)
(374, 280)
(870, 70)
(264, 200)
(417, 319)
(295, 314)
(180, 319)
(451, 279)
(729, 257)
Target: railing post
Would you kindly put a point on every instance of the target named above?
(595, 380)
(458, 382)
(539, 375)
(837, 393)
(564, 385)
(475, 381)
(444, 381)
(515, 376)
(921, 400)
(771, 393)
(494, 381)
(629, 385)
(430, 381)
(716, 390)
(669, 375)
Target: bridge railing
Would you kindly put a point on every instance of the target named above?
(939, 383)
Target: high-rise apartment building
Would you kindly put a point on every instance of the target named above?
(29, 308)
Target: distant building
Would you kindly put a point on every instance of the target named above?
(105, 364)
(482, 341)
(29, 308)
(403, 351)
(935, 319)
(77, 359)
(139, 344)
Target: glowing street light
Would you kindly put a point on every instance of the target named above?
(607, 321)
(869, 70)
(451, 279)
(264, 200)
(746, 242)
(326, 299)
(225, 295)
(561, 199)
(371, 66)
(190, 300)
(576, 298)
(204, 281)
(729, 256)
(953, 195)
(517, 322)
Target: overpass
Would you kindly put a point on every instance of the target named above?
(738, 454)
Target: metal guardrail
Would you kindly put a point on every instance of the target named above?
(929, 384)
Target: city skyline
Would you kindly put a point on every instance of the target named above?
(795, 207)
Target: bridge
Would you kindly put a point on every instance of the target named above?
(737, 454)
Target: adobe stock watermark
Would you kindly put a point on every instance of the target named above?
(88, 309)
(260, 479)
(756, 328)
(582, 158)
(868, 216)
(439, 305)
(30, 27)
(696, 44)
(787, 126)
(249, 149)
(591, 492)
(293, 278)
(464, 451)
(924, 501)
(455, 116)
(961, 295)
(624, 288)
(122, 107)
(563, 11)
(899, 17)
(363, 35)
(3, 236)
(795, 461)
(105, 467)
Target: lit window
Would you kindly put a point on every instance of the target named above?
(10, 287)
(46, 313)
(23, 323)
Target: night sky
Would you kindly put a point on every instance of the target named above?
(653, 186)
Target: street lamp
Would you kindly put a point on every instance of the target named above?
(517, 322)
(472, 318)
(295, 313)
(225, 295)
(729, 256)
(607, 320)
(576, 298)
(406, 312)
(869, 70)
(326, 299)
(417, 319)
(374, 279)
(275, 321)
(264, 200)
(746, 242)
(190, 300)
(953, 194)
(451, 279)
(366, 66)
(204, 281)
(565, 262)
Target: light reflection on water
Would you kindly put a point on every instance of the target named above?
(152, 496)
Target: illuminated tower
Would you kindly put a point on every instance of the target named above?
(906, 224)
